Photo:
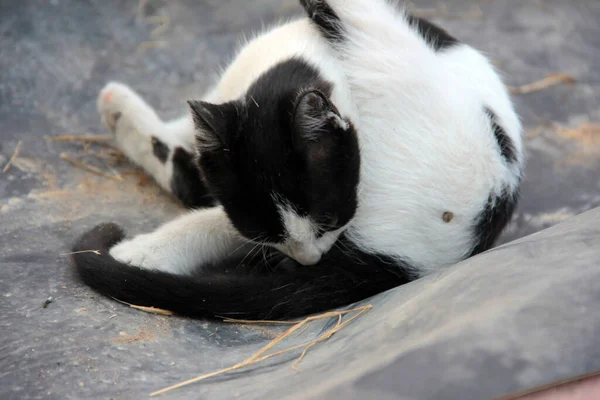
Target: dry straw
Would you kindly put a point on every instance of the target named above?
(90, 168)
(13, 157)
(261, 356)
(545, 83)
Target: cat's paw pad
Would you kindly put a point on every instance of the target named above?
(139, 251)
(113, 101)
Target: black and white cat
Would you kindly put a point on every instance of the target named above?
(337, 157)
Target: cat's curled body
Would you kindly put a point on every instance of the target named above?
(368, 146)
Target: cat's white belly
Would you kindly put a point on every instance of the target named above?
(429, 160)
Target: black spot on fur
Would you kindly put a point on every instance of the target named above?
(260, 286)
(436, 37)
(160, 150)
(507, 148)
(496, 214)
(186, 182)
(324, 18)
(270, 153)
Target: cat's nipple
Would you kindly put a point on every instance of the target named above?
(448, 217)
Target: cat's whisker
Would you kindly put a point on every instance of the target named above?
(245, 244)
(264, 254)
(249, 254)
(346, 251)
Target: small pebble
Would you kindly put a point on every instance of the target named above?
(47, 301)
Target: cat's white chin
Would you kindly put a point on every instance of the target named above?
(309, 252)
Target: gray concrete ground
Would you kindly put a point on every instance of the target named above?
(54, 57)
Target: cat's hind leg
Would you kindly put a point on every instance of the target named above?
(164, 149)
(339, 20)
(139, 132)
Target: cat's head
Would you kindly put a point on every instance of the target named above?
(285, 167)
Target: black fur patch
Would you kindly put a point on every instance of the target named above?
(267, 155)
(186, 182)
(507, 148)
(496, 214)
(160, 150)
(265, 286)
(324, 18)
(436, 37)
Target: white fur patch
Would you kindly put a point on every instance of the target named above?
(426, 144)
(302, 243)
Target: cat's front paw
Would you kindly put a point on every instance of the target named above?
(140, 251)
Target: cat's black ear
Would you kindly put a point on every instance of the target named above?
(316, 116)
(319, 131)
(212, 124)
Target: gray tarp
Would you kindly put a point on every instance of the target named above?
(521, 315)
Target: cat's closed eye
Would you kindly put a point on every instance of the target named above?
(329, 222)
(333, 222)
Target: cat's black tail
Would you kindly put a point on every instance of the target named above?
(283, 290)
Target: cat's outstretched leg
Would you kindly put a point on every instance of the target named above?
(356, 13)
(164, 149)
(339, 20)
(180, 246)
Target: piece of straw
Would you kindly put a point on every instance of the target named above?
(265, 322)
(151, 45)
(81, 252)
(261, 356)
(474, 12)
(151, 310)
(545, 83)
(115, 173)
(162, 21)
(90, 168)
(13, 157)
(86, 139)
(111, 156)
(295, 364)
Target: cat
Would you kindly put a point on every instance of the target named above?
(338, 156)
